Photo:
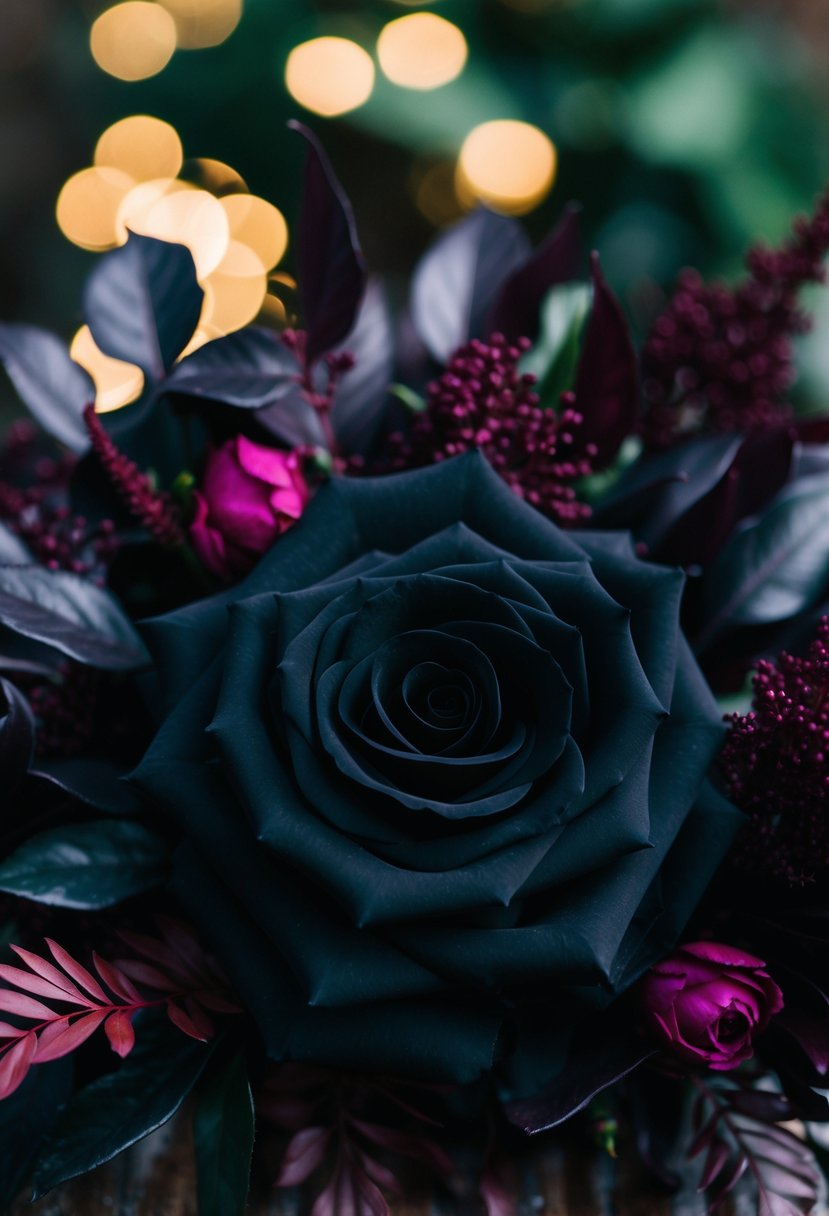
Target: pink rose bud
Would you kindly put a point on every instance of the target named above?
(707, 1001)
(249, 496)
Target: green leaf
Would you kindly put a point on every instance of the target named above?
(775, 567)
(25, 1118)
(554, 357)
(223, 1134)
(121, 1108)
(70, 613)
(86, 865)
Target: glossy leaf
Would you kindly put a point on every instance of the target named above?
(121, 1108)
(458, 279)
(98, 783)
(774, 567)
(119, 1030)
(12, 550)
(17, 736)
(223, 1127)
(330, 267)
(53, 387)
(25, 1118)
(518, 309)
(142, 303)
(249, 369)
(86, 865)
(70, 613)
(363, 392)
(555, 355)
(589, 1070)
(607, 385)
(291, 420)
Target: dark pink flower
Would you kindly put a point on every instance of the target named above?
(708, 1001)
(250, 495)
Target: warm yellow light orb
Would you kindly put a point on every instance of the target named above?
(507, 164)
(421, 51)
(329, 75)
(215, 176)
(116, 383)
(234, 292)
(138, 202)
(203, 23)
(133, 40)
(258, 224)
(142, 146)
(88, 205)
(188, 217)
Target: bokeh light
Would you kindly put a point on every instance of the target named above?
(203, 23)
(137, 202)
(235, 291)
(133, 40)
(189, 217)
(214, 175)
(421, 51)
(116, 383)
(507, 164)
(259, 225)
(329, 75)
(87, 207)
(142, 146)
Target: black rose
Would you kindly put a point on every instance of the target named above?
(434, 761)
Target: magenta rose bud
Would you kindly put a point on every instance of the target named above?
(249, 496)
(708, 1001)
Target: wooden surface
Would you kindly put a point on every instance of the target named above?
(157, 1179)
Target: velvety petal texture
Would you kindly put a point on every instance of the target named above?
(435, 762)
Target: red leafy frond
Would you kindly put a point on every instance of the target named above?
(24, 1006)
(181, 1019)
(34, 984)
(15, 1064)
(62, 1037)
(119, 1030)
(49, 972)
(145, 973)
(406, 1144)
(305, 1152)
(78, 973)
(120, 984)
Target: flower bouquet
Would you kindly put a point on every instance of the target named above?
(414, 729)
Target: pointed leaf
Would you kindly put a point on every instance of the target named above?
(775, 566)
(117, 1110)
(249, 369)
(86, 865)
(70, 613)
(459, 277)
(142, 303)
(363, 392)
(114, 979)
(49, 972)
(54, 388)
(407, 1144)
(119, 1030)
(17, 736)
(97, 782)
(15, 1062)
(517, 311)
(554, 357)
(78, 973)
(12, 550)
(607, 385)
(306, 1150)
(330, 268)
(292, 420)
(25, 1118)
(223, 1127)
(718, 1155)
(34, 984)
(63, 1037)
(144, 973)
(24, 1006)
(187, 1024)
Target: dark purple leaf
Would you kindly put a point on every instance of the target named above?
(53, 387)
(306, 1150)
(17, 736)
(381, 1175)
(592, 1066)
(249, 369)
(363, 392)
(557, 260)
(728, 1180)
(458, 279)
(94, 781)
(70, 613)
(330, 267)
(143, 302)
(292, 421)
(718, 1155)
(704, 1136)
(12, 550)
(350, 1192)
(407, 1144)
(765, 1105)
(607, 386)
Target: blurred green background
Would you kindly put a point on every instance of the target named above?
(686, 128)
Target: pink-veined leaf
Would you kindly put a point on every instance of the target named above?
(14, 1064)
(120, 1032)
(145, 973)
(7, 1031)
(78, 973)
(181, 1019)
(199, 1018)
(161, 955)
(718, 1155)
(34, 984)
(381, 1175)
(408, 1145)
(306, 1150)
(24, 1006)
(120, 984)
(51, 973)
(350, 1193)
(62, 1037)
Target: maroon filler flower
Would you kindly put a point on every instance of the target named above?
(775, 766)
(250, 495)
(708, 1001)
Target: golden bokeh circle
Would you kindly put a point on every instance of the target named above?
(203, 23)
(142, 146)
(88, 205)
(258, 224)
(421, 51)
(507, 164)
(116, 383)
(133, 40)
(329, 75)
